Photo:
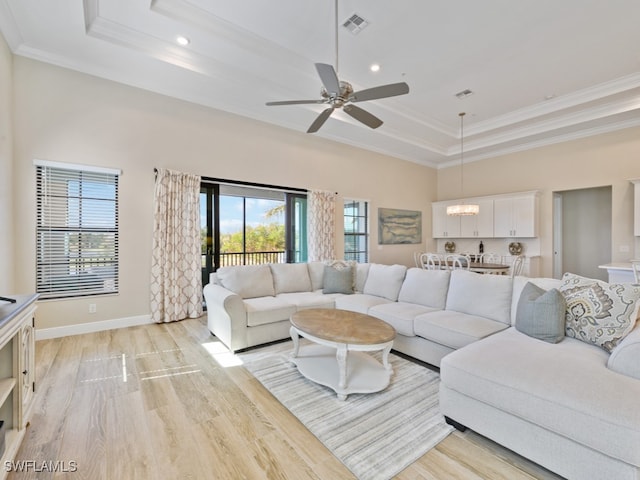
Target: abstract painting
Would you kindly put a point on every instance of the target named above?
(397, 226)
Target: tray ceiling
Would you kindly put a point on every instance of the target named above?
(540, 71)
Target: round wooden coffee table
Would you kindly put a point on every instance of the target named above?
(337, 359)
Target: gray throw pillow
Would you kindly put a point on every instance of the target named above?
(540, 313)
(338, 280)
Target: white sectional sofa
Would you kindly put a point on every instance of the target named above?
(570, 406)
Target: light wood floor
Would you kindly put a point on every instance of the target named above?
(162, 402)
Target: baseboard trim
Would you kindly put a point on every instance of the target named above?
(92, 327)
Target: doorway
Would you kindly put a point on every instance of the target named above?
(582, 231)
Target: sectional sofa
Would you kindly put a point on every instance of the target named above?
(567, 404)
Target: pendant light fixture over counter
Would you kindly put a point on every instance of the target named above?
(462, 208)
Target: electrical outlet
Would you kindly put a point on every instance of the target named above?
(92, 308)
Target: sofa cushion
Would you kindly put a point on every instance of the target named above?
(425, 287)
(541, 313)
(263, 310)
(248, 281)
(625, 358)
(338, 280)
(454, 329)
(303, 300)
(362, 271)
(598, 312)
(518, 284)
(563, 387)
(400, 315)
(316, 274)
(486, 296)
(384, 281)
(359, 302)
(290, 277)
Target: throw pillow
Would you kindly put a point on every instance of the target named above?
(338, 280)
(598, 312)
(540, 313)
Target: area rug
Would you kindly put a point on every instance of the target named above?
(374, 435)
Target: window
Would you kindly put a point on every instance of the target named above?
(77, 230)
(356, 231)
(249, 224)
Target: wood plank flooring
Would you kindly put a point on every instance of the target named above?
(166, 402)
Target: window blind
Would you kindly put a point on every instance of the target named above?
(77, 231)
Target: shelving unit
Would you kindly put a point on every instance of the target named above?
(17, 371)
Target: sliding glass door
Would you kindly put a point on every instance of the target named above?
(249, 225)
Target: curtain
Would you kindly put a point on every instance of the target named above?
(321, 208)
(176, 277)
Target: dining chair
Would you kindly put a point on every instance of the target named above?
(517, 266)
(635, 266)
(455, 262)
(431, 261)
(417, 256)
(491, 258)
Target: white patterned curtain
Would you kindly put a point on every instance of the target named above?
(176, 278)
(321, 207)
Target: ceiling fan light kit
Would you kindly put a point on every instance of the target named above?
(462, 209)
(340, 94)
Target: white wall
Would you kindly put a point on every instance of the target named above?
(65, 116)
(6, 171)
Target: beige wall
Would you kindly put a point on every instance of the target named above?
(6, 169)
(605, 160)
(70, 117)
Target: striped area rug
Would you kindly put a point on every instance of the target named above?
(375, 435)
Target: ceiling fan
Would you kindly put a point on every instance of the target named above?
(340, 94)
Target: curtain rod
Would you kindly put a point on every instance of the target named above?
(248, 184)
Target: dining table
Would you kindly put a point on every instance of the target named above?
(482, 267)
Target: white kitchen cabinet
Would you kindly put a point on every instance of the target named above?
(443, 225)
(636, 207)
(515, 216)
(481, 225)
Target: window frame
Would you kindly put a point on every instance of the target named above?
(360, 256)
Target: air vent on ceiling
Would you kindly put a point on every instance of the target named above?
(464, 94)
(355, 24)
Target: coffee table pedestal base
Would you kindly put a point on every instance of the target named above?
(341, 368)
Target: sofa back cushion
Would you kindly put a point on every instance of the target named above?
(362, 271)
(425, 287)
(248, 281)
(290, 277)
(384, 281)
(518, 284)
(316, 274)
(487, 296)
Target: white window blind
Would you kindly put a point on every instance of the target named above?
(77, 231)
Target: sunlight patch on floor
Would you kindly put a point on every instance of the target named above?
(221, 354)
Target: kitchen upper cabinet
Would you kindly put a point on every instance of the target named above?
(515, 216)
(443, 225)
(480, 225)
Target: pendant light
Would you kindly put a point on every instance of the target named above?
(462, 208)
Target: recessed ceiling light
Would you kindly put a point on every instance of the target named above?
(374, 67)
(182, 40)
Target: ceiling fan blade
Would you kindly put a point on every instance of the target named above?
(363, 116)
(383, 91)
(328, 77)
(295, 102)
(315, 126)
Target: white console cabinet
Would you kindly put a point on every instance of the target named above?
(17, 371)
